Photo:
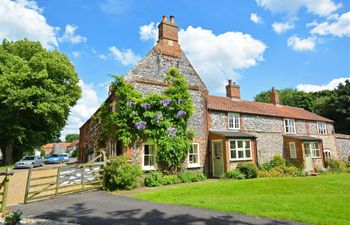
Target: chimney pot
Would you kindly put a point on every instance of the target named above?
(172, 19)
(165, 18)
(230, 82)
(233, 90)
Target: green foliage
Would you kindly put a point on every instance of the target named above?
(121, 174)
(234, 174)
(75, 153)
(336, 166)
(278, 167)
(348, 162)
(171, 179)
(188, 177)
(37, 89)
(249, 170)
(161, 119)
(13, 217)
(42, 151)
(331, 104)
(154, 179)
(72, 137)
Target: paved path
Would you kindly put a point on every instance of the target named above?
(102, 208)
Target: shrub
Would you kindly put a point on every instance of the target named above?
(335, 166)
(273, 172)
(348, 162)
(120, 173)
(278, 161)
(170, 179)
(188, 177)
(250, 170)
(234, 174)
(154, 179)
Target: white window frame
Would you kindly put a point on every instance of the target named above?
(197, 164)
(113, 148)
(312, 149)
(292, 150)
(327, 153)
(152, 155)
(321, 128)
(290, 125)
(235, 117)
(240, 149)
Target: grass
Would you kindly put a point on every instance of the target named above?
(323, 199)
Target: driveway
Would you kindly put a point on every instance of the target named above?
(101, 208)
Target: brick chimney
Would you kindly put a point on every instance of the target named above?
(168, 38)
(233, 90)
(274, 97)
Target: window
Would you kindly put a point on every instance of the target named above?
(327, 153)
(321, 128)
(292, 150)
(312, 148)
(289, 126)
(233, 121)
(193, 156)
(148, 157)
(112, 148)
(240, 150)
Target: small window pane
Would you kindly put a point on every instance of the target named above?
(247, 153)
(240, 154)
(232, 144)
(240, 144)
(233, 154)
(247, 144)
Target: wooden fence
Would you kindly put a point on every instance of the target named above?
(50, 182)
(4, 187)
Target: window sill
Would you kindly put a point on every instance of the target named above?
(148, 168)
(235, 160)
(316, 157)
(194, 166)
(234, 128)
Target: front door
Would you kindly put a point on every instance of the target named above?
(308, 157)
(218, 161)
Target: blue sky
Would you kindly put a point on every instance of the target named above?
(300, 44)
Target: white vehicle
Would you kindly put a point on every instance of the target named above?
(29, 161)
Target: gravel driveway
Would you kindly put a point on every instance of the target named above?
(101, 208)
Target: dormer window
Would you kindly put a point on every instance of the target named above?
(233, 121)
(289, 126)
(321, 128)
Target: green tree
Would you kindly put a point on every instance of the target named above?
(37, 89)
(72, 137)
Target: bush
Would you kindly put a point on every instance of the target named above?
(278, 161)
(348, 162)
(170, 179)
(188, 177)
(336, 166)
(250, 170)
(154, 179)
(234, 174)
(120, 173)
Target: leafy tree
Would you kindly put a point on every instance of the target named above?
(72, 137)
(161, 119)
(37, 88)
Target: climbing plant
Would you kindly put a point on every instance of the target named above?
(161, 119)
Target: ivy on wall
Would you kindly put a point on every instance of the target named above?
(160, 119)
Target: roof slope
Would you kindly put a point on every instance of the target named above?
(259, 108)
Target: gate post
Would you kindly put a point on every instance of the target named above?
(57, 180)
(27, 185)
(6, 189)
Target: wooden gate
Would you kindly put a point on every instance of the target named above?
(50, 182)
(4, 187)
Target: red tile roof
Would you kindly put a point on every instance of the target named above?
(259, 108)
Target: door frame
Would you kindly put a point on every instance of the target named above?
(212, 155)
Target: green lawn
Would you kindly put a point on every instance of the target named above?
(323, 199)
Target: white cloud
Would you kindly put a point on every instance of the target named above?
(317, 7)
(76, 54)
(70, 36)
(282, 27)
(149, 32)
(125, 56)
(218, 57)
(301, 45)
(102, 56)
(215, 57)
(330, 86)
(255, 18)
(83, 110)
(24, 19)
(337, 26)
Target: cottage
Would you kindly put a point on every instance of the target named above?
(228, 130)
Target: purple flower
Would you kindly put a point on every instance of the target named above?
(146, 105)
(159, 117)
(140, 125)
(130, 104)
(165, 103)
(180, 101)
(172, 132)
(181, 113)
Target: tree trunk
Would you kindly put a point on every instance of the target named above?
(7, 153)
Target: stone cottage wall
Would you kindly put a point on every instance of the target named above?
(343, 145)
